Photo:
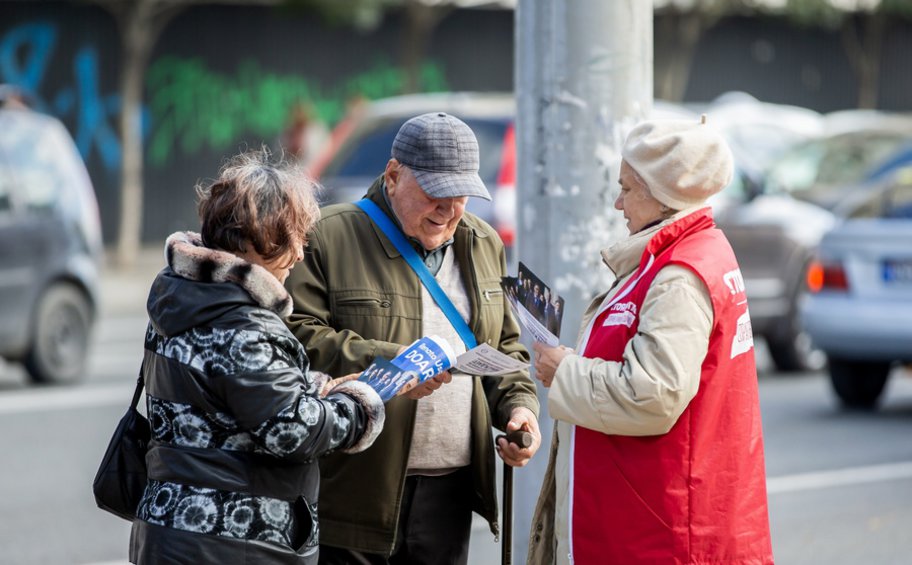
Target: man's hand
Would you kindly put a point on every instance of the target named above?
(520, 419)
(429, 386)
(547, 359)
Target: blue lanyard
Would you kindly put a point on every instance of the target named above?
(411, 256)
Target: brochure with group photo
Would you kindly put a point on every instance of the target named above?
(538, 308)
(430, 356)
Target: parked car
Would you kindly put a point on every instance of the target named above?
(775, 231)
(50, 248)
(760, 132)
(860, 305)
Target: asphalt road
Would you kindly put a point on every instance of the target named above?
(840, 482)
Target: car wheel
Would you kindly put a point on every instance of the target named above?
(791, 348)
(859, 383)
(793, 351)
(60, 336)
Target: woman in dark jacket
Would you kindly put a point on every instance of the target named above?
(237, 418)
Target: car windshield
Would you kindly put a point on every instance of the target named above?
(42, 156)
(45, 164)
(894, 201)
(814, 170)
(366, 155)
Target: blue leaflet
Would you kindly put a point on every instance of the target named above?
(422, 360)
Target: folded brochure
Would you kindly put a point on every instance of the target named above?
(535, 305)
(430, 356)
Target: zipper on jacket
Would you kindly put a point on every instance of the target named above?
(488, 293)
(365, 301)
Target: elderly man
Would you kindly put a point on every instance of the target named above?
(409, 498)
(657, 454)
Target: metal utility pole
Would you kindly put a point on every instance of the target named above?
(583, 78)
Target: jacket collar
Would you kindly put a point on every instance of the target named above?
(190, 259)
(624, 256)
(682, 225)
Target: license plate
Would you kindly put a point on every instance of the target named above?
(898, 271)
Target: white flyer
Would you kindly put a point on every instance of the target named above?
(485, 360)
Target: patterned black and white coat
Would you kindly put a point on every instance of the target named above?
(237, 418)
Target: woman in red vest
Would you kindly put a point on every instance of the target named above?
(657, 454)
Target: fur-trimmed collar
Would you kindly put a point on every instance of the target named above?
(189, 258)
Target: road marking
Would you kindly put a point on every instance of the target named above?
(839, 477)
(66, 398)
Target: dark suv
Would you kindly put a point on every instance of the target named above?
(50, 248)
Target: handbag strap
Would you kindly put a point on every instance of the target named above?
(140, 383)
(397, 238)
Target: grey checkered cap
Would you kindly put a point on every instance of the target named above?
(442, 153)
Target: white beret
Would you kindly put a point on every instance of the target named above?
(683, 162)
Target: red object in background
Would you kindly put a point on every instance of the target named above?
(826, 276)
(340, 133)
(506, 182)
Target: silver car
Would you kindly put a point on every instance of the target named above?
(860, 309)
(50, 248)
(775, 231)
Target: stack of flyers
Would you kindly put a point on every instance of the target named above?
(424, 358)
(538, 309)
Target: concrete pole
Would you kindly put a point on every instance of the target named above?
(583, 78)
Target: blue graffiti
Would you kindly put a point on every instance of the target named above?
(37, 41)
(92, 125)
(91, 111)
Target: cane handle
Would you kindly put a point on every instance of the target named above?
(521, 438)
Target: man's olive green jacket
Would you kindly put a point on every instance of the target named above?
(356, 298)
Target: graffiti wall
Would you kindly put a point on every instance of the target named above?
(221, 79)
(224, 78)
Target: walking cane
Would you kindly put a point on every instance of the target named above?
(523, 439)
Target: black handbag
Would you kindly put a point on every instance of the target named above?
(121, 477)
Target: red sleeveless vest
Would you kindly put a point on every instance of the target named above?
(696, 494)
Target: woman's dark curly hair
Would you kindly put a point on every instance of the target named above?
(269, 206)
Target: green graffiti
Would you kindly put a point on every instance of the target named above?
(192, 106)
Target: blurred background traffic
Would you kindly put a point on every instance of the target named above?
(112, 111)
